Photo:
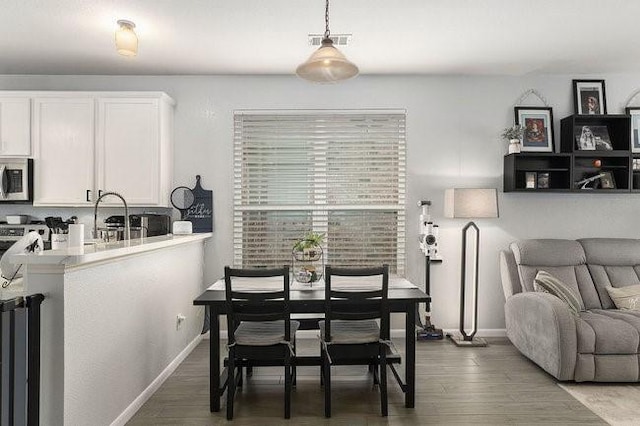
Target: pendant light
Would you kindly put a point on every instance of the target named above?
(327, 64)
(126, 38)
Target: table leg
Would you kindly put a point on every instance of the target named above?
(410, 357)
(214, 363)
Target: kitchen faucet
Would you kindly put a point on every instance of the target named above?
(127, 228)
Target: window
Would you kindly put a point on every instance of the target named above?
(339, 173)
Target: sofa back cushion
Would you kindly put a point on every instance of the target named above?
(612, 262)
(564, 259)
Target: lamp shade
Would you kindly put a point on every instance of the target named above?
(471, 203)
(327, 65)
(126, 38)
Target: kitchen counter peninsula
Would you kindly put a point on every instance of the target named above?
(117, 319)
(98, 251)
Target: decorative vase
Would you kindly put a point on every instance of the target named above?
(514, 146)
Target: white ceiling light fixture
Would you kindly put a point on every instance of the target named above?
(126, 38)
(327, 64)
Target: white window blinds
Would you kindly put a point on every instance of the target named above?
(339, 173)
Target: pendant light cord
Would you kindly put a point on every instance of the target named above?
(326, 20)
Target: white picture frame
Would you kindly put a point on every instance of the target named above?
(634, 112)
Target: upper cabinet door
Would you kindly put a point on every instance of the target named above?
(15, 124)
(129, 149)
(63, 136)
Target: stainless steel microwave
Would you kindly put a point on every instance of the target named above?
(16, 180)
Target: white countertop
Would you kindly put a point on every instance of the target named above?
(105, 251)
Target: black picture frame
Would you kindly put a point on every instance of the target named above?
(593, 138)
(586, 91)
(538, 128)
(607, 181)
(543, 180)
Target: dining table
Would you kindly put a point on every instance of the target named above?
(403, 297)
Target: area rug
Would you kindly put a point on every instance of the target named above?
(617, 404)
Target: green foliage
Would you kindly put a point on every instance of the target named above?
(310, 240)
(513, 132)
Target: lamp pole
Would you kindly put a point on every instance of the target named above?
(463, 273)
(470, 203)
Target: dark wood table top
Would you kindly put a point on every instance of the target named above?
(396, 295)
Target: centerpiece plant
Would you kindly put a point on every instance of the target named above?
(310, 247)
(308, 251)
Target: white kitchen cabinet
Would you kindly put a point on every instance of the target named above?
(15, 126)
(103, 141)
(63, 136)
(134, 149)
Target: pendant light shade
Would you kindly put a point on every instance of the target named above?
(126, 38)
(327, 64)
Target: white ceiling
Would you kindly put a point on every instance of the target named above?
(512, 37)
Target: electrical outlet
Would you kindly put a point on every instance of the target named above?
(179, 321)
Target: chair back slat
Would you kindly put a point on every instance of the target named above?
(357, 304)
(255, 272)
(256, 296)
(266, 305)
(358, 272)
(357, 294)
(360, 315)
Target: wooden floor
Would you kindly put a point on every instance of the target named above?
(492, 385)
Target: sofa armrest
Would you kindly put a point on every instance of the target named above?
(509, 274)
(543, 328)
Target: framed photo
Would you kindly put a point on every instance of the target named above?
(530, 180)
(593, 138)
(634, 112)
(538, 128)
(589, 97)
(543, 180)
(607, 181)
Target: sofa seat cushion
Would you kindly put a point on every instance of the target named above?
(609, 332)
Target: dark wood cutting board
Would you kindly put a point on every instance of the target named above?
(200, 214)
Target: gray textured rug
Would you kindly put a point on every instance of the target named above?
(617, 404)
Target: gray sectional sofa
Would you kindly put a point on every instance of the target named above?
(600, 344)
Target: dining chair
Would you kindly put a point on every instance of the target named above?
(350, 333)
(260, 328)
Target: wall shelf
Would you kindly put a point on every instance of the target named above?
(590, 145)
(534, 166)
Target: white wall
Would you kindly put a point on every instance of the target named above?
(120, 329)
(453, 128)
(109, 331)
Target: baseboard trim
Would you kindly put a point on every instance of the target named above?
(137, 403)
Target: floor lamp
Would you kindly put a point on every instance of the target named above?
(470, 203)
